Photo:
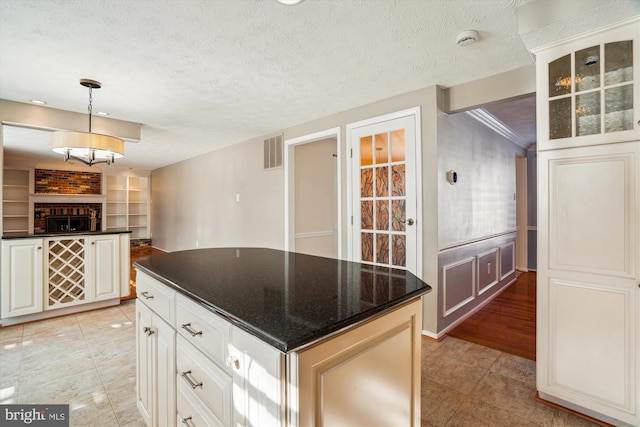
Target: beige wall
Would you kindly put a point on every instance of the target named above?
(316, 198)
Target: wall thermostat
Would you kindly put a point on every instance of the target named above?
(452, 177)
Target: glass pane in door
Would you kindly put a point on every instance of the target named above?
(588, 113)
(560, 118)
(383, 199)
(560, 76)
(618, 62)
(588, 68)
(618, 108)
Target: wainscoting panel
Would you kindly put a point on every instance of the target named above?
(471, 274)
(488, 269)
(459, 284)
(507, 260)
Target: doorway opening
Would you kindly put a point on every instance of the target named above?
(313, 195)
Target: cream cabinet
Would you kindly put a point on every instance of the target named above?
(40, 276)
(588, 295)
(225, 376)
(22, 288)
(155, 352)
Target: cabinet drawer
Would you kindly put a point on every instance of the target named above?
(191, 412)
(204, 329)
(204, 379)
(160, 298)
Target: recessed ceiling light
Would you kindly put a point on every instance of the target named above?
(290, 2)
(102, 113)
(38, 102)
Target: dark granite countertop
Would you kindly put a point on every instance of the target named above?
(286, 299)
(9, 236)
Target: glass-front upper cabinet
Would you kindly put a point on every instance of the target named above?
(588, 89)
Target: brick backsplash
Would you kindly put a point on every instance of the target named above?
(67, 182)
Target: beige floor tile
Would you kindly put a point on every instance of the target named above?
(96, 411)
(513, 396)
(80, 389)
(10, 333)
(468, 352)
(124, 404)
(515, 367)
(10, 357)
(565, 419)
(439, 403)
(138, 422)
(60, 326)
(451, 372)
(479, 414)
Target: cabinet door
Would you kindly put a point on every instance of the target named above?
(588, 275)
(165, 387)
(257, 383)
(105, 266)
(145, 363)
(586, 89)
(22, 262)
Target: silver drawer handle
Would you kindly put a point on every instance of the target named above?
(146, 295)
(147, 330)
(187, 327)
(187, 377)
(187, 421)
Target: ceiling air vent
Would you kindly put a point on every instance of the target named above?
(273, 152)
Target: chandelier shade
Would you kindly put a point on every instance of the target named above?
(88, 147)
(92, 146)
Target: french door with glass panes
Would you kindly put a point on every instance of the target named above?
(384, 193)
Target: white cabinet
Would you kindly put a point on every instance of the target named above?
(48, 274)
(155, 367)
(588, 301)
(258, 381)
(586, 89)
(15, 201)
(21, 277)
(128, 204)
(104, 266)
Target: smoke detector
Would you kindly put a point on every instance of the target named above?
(467, 37)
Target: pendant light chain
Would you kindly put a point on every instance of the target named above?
(90, 106)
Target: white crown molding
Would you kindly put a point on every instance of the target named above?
(490, 121)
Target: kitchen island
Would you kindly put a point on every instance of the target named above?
(51, 274)
(250, 336)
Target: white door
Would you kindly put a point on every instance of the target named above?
(384, 192)
(104, 265)
(21, 277)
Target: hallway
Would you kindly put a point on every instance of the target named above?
(508, 323)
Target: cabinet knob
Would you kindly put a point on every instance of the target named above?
(187, 421)
(231, 361)
(147, 330)
(39, 247)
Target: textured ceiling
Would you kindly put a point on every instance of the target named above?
(200, 75)
(204, 74)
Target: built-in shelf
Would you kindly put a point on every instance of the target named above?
(128, 204)
(16, 200)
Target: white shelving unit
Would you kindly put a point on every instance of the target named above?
(128, 205)
(15, 201)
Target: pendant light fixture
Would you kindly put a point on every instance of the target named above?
(87, 147)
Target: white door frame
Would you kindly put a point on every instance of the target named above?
(289, 184)
(415, 112)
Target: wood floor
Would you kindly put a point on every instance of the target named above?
(135, 255)
(508, 323)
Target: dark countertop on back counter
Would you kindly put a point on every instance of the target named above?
(286, 299)
(9, 236)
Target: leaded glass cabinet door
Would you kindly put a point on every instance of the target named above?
(384, 194)
(588, 90)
